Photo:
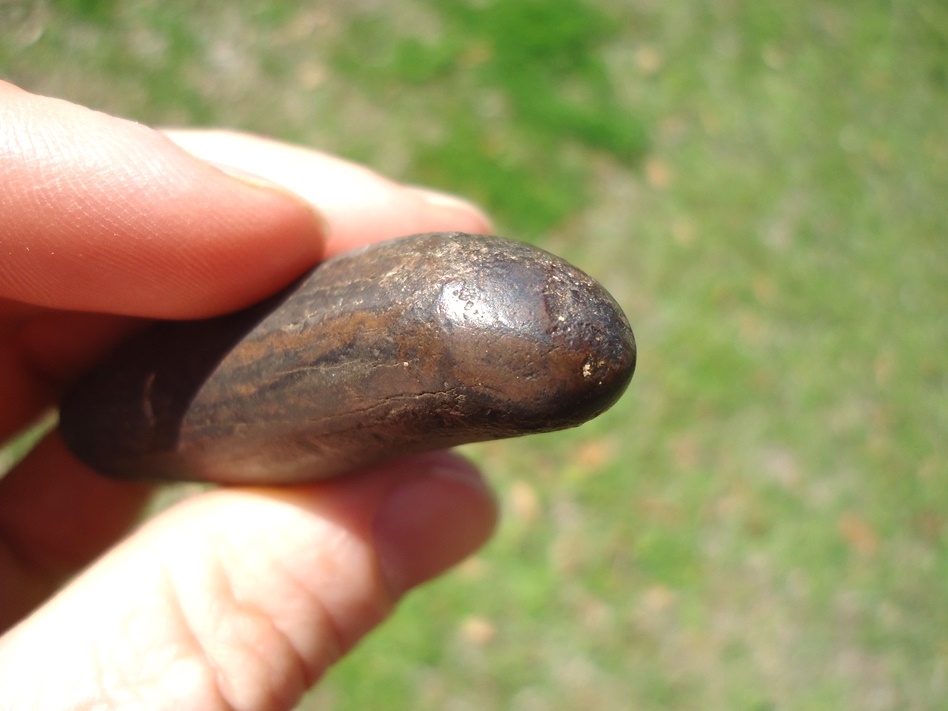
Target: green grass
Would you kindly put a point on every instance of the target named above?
(761, 522)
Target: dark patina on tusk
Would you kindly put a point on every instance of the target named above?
(419, 343)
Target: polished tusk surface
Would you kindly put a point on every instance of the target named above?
(419, 343)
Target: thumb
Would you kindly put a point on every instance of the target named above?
(102, 214)
(241, 599)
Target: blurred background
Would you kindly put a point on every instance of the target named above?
(761, 522)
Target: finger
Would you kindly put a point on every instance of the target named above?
(41, 355)
(102, 214)
(360, 206)
(241, 599)
(56, 516)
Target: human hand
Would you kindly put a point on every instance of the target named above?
(237, 598)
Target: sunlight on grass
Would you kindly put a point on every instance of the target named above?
(13, 451)
(533, 77)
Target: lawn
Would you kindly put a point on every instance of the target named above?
(762, 521)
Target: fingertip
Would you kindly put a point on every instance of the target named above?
(360, 205)
(468, 216)
(432, 521)
(254, 180)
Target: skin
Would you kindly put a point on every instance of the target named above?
(237, 598)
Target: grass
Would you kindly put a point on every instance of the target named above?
(761, 522)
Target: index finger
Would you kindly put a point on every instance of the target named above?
(360, 206)
(102, 214)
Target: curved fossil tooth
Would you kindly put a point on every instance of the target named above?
(419, 343)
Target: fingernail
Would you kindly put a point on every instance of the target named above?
(432, 522)
(452, 202)
(257, 181)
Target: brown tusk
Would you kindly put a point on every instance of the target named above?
(419, 343)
